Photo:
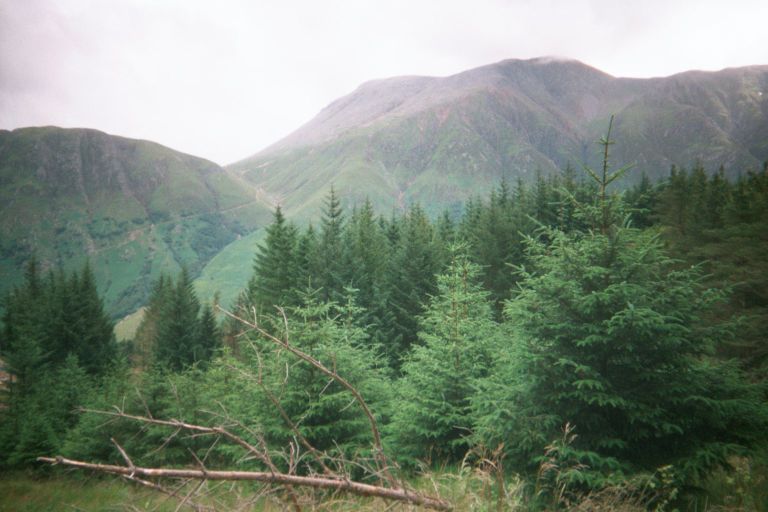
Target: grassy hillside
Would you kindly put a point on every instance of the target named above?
(133, 208)
(228, 272)
(441, 140)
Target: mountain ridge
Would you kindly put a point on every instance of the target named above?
(399, 139)
(134, 208)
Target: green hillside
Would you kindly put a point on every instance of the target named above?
(134, 208)
(439, 141)
(228, 272)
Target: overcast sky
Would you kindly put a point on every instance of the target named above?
(223, 79)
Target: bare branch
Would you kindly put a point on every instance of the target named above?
(317, 454)
(127, 459)
(360, 489)
(179, 425)
(378, 450)
(163, 490)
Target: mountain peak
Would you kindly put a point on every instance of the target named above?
(439, 140)
(383, 99)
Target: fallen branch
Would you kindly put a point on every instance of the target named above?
(360, 489)
(379, 455)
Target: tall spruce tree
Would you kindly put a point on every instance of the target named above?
(365, 263)
(94, 330)
(458, 340)
(22, 344)
(146, 333)
(412, 278)
(275, 269)
(609, 337)
(322, 410)
(330, 250)
(209, 335)
(177, 338)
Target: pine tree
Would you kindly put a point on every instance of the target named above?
(96, 346)
(412, 278)
(275, 269)
(365, 263)
(609, 337)
(46, 320)
(146, 333)
(642, 200)
(697, 199)
(178, 328)
(458, 342)
(674, 205)
(22, 342)
(321, 409)
(209, 337)
(306, 259)
(330, 278)
(718, 193)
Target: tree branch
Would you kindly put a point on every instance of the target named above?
(360, 489)
(378, 450)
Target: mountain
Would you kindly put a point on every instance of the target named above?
(440, 140)
(133, 208)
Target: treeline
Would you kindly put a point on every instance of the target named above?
(544, 306)
(388, 265)
(176, 332)
(56, 342)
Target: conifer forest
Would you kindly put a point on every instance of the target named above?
(563, 343)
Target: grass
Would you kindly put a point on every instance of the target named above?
(126, 328)
(23, 493)
(20, 492)
(469, 487)
(228, 272)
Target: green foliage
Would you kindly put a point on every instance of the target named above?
(608, 336)
(156, 393)
(459, 340)
(365, 264)
(55, 337)
(176, 340)
(322, 410)
(46, 320)
(727, 236)
(135, 208)
(414, 266)
(40, 415)
(330, 251)
(275, 268)
(178, 333)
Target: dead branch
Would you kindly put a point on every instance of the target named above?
(318, 456)
(360, 489)
(179, 425)
(379, 455)
(262, 455)
(336, 481)
(163, 490)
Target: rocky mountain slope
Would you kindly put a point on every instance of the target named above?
(134, 208)
(440, 140)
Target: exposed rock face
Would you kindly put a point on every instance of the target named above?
(440, 140)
